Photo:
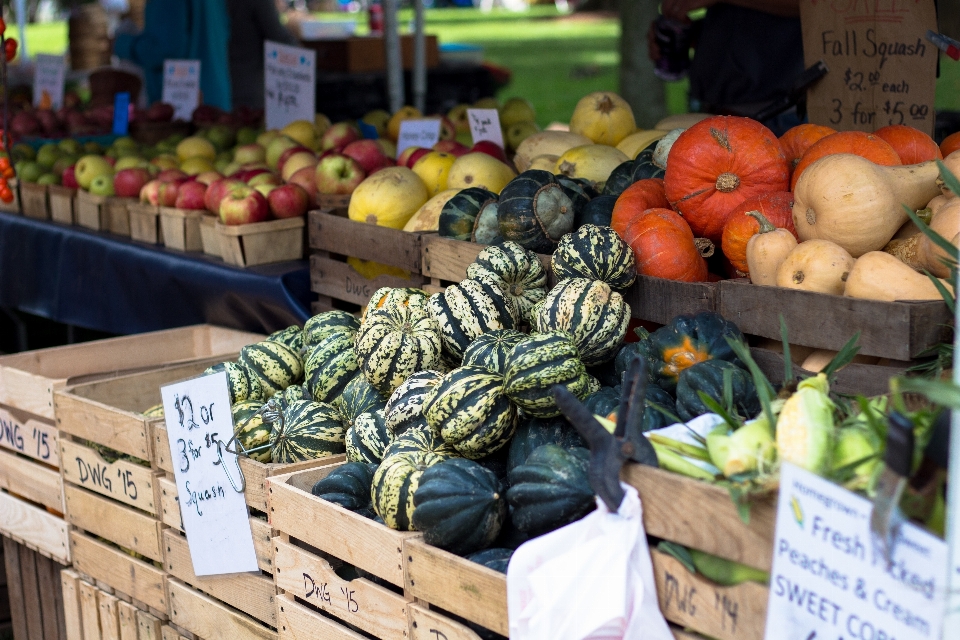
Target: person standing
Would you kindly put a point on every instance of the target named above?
(252, 22)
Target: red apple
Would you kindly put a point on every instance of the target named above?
(169, 191)
(128, 182)
(368, 154)
(339, 136)
(150, 193)
(208, 176)
(243, 205)
(491, 149)
(306, 178)
(338, 174)
(69, 179)
(170, 174)
(448, 130)
(244, 175)
(403, 159)
(452, 147)
(286, 155)
(263, 178)
(217, 191)
(288, 201)
(191, 196)
(415, 156)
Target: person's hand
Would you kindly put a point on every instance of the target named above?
(678, 9)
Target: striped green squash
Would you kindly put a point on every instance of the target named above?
(538, 363)
(244, 410)
(467, 310)
(240, 384)
(323, 324)
(420, 439)
(396, 479)
(367, 438)
(470, 411)
(292, 336)
(597, 253)
(490, 349)
(393, 296)
(516, 271)
(305, 431)
(275, 364)
(395, 342)
(358, 397)
(330, 365)
(250, 430)
(591, 312)
(404, 409)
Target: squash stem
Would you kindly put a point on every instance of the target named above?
(765, 225)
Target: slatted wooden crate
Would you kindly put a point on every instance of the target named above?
(118, 215)
(90, 212)
(145, 222)
(32, 583)
(35, 202)
(95, 611)
(211, 619)
(181, 228)
(61, 203)
(314, 537)
(108, 564)
(248, 245)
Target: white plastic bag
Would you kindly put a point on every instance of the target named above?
(590, 580)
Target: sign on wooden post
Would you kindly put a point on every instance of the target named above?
(881, 68)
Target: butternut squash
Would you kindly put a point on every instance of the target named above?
(767, 250)
(816, 265)
(952, 163)
(818, 360)
(880, 276)
(935, 204)
(856, 204)
(920, 252)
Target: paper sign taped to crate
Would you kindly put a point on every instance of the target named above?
(485, 125)
(827, 582)
(213, 512)
(181, 87)
(48, 77)
(290, 84)
(418, 133)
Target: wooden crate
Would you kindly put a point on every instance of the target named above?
(247, 245)
(36, 601)
(181, 228)
(142, 581)
(144, 222)
(209, 236)
(118, 215)
(211, 619)
(334, 237)
(127, 527)
(35, 202)
(61, 203)
(96, 611)
(90, 211)
(298, 622)
(37, 483)
(34, 527)
(896, 330)
(333, 203)
(444, 260)
(854, 379)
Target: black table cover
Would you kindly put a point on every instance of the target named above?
(103, 282)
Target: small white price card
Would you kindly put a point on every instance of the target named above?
(214, 515)
(827, 583)
(485, 125)
(290, 84)
(418, 133)
(181, 87)
(48, 78)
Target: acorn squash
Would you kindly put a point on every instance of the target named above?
(535, 211)
(551, 489)
(708, 377)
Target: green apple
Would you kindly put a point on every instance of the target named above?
(64, 161)
(517, 110)
(276, 148)
(520, 131)
(71, 146)
(265, 138)
(102, 185)
(222, 165)
(48, 178)
(89, 168)
(125, 142)
(92, 147)
(221, 136)
(22, 151)
(47, 155)
(247, 135)
(131, 162)
(29, 171)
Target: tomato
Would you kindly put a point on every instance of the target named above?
(6, 195)
(9, 173)
(3, 26)
(4, 162)
(10, 49)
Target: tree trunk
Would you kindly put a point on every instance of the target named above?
(643, 90)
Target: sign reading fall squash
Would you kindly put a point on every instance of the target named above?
(882, 69)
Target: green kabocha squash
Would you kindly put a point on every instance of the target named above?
(358, 397)
(275, 364)
(657, 402)
(644, 166)
(684, 342)
(579, 192)
(367, 438)
(605, 402)
(394, 342)
(620, 178)
(241, 384)
(460, 213)
(490, 350)
(393, 296)
(486, 228)
(250, 430)
(348, 486)
(597, 253)
(535, 211)
(536, 364)
(598, 211)
(535, 432)
(593, 314)
(466, 310)
(292, 337)
(398, 476)
(323, 324)
(330, 365)
(470, 411)
(305, 431)
(404, 409)
(550, 490)
(708, 377)
(515, 271)
(459, 506)
(495, 558)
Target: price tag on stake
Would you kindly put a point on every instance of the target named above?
(418, 133)
(485, 125)
(181, 87)
(826, 581)
(290, 84)
(48, 77)
(215, 517)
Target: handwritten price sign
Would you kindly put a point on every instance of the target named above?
(485, 125)
(181, 87)
(882, 71)
(290, 81)
(214, 514)
(48, 76)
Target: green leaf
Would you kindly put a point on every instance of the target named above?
(728, 390)
(941, 392)
(787, 359)
(948, 298)
(664, 411)
(740, 501)
(935, 237)
(678, 552)
(714, 406)
(844, 357)
(866, 410)
(765, 391)
(948, 178)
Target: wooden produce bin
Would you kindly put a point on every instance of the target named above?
(36, 608)
(310, 529)
(94, 611)
(333, 238)
(118, 215)
(61, 203)
(854, 379)
(247, 245)
(90, 211)
(210, 619)
(181, 228)
(14, 205)
(35, 202)
(145, 222)
(210, 236)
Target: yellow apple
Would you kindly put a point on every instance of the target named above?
(196, 147)
(303, 132)
(516, 110)
(405, 113)
(296, 162)
(433, 169)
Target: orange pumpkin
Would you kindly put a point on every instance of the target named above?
(800, 138)
(718, 163)
(912, 145)
(664, 247)
(865, 145)
(635, 199)
(777, 207)
(950, 144)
